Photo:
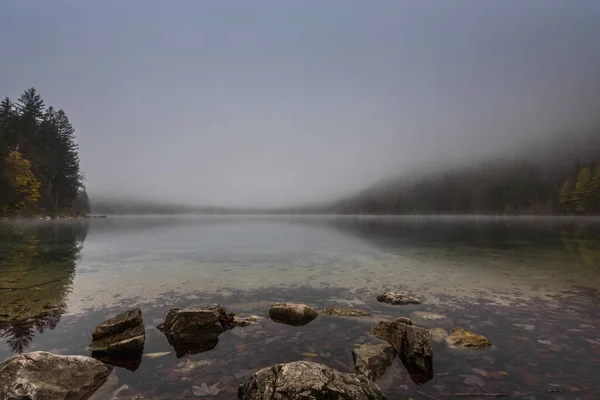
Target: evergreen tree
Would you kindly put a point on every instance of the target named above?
(45, 140)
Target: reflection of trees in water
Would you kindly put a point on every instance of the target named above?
(37, 267)
(580, 237)
(582, 242)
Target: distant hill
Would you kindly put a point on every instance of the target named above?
(561, 175)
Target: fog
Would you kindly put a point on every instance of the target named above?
(272, 103)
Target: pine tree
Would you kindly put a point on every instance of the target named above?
(45, 139)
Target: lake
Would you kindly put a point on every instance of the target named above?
(531, 285)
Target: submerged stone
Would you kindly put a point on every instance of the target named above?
(44, 376)
(438, 334)
(303, 380)
(292, 314)
(345, 312)
(395, 298)
(246, 321)
(412, 344)
(372, 360)
(430, 320)
(460, 337)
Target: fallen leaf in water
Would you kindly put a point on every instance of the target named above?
(308, 354)
(156, 355)
(503, 373)
(205, 390)
(240, 346)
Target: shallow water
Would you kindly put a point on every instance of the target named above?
(531, 285)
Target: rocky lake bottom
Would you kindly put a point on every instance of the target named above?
(539, 306)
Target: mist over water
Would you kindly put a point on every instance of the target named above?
(252, 153)
(279, 104)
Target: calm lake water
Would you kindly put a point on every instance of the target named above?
(531, 285)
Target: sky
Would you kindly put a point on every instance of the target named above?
(272, 103)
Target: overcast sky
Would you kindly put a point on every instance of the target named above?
(281, 102)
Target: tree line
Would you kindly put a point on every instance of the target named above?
(39, 160)
(563, 178)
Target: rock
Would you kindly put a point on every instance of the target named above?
(345, 312)
(292, 314)
(192, 321)
(413, 345)
(372, 360)
(404, 320)
(460, 337)
(396, 298)
(246, 321)
(307, 381)
(124, 333)
(44, 376)
(438, 334)
(195, 330)
(430, 320)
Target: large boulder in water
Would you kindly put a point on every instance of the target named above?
(292, 314)
(123, 333)
(45, 376)
(303, 380)
(196, 330)
(460, 337)
(395, 298)
(414, 346)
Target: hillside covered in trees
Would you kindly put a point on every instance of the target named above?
(39, 161)
(561, 176)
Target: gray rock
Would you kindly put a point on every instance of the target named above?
(396, 298)
(303, 380)
(191, 322)
(195, 330)
(292, 314)
(372, 360)
(413, 345)
(45, 376)
(124, 333)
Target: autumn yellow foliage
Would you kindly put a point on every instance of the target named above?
(21, 183)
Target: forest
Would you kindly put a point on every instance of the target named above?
(560, 176)
(39, 160)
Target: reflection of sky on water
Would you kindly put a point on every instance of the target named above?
(501, 261)
(530, 286)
